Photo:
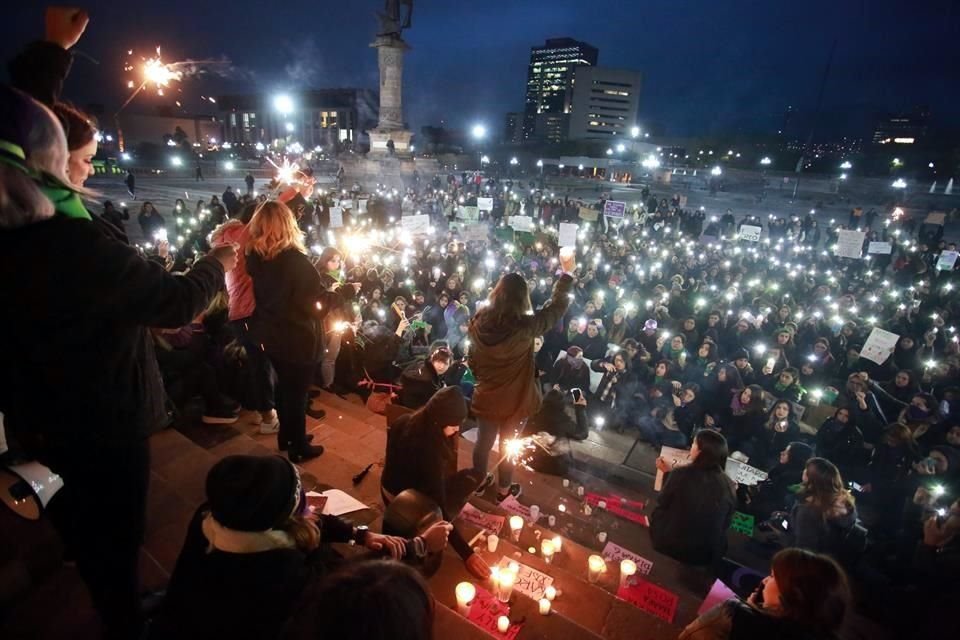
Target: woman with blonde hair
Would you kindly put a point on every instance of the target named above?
(824, 512)
(287, 321)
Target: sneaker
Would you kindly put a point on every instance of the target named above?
(270, 425)
(514, 490)
(308, 452)
(283, 446)
(484, 485)
(219, 415)
(316, 414)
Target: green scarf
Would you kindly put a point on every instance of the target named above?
(675, 353)
(65, 200)
(337, 275)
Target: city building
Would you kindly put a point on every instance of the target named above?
(549, 84)
(317, 117)
(513, 128)
(604, 103)
(137, 128)
(902, 128)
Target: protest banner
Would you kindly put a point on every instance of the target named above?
(849, 244)
(489, 522)
(485, 611)
(336, 217)
(474, 233)
(568, 234)
(415, 225)
(614, 208)
(649, 597)
(935, 217)
(742, 473)
(485, 204)
(468, 213)
(879, 345)
(521, 223)
(614, 553)
(880, 247)
(588, 214)
(742, 523)
(675, 458)
(512, 505)
(750, 233)
(947, 260)
(530, 582)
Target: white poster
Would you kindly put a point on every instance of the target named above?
(415, 225)
(880, 247)
(742, 473)
(485, 204)
(879, 346)
(750, 233)
(850, 244)
(474, 233)
(675, 458)
(947, 260)
(336, 217)
(468, 213)
(568, 234)
(521, 223)
(362, 206)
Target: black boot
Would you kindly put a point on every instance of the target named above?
(306, 452)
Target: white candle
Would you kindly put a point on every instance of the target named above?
(595, 566)
(580, 491)
(507, 578)
(503, 624)
(550, 592)
(546, 549)
(544, 606)
(551, 521)
(566, 482)
(602, 537)
(492, 542)
(516, 524)
(562, 508)
(587, 510)
(534, 513)
(602, 504)
(466, 592)
(558, 544)
(627, 569)
(495, 579)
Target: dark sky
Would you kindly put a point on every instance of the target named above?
(708, 66)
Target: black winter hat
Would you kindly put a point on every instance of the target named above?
(253, 493)
(446, 408)
(738, 354)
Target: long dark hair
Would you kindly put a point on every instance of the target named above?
(824, 486)
(814, 590)
(508, 302)
(713, 450)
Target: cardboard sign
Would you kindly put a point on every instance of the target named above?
(474, 233)
(415, 225)
(935, 217)
(346, 204)
(521, 223)
(742, 473)
(485, 204)
(468, 213)
(880, 247)
(362, 206)
(651, 598)
(568, 234)
(588, 214)
(336, 217)
(614, 553)
(850, 244)
(489, 522)
(513, 506)
(530, 582)
(675, 458)
(879, 345)
(750, 232)
(947, 260)
(742, 523)
(614, 208)
(629, 510)
(719, 593)
(486, 609)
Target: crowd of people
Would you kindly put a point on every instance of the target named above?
(663, 324)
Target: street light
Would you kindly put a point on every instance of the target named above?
(766, 161)
(897, 162)
(651, 162)
(621, 148)
(259, 146)
(484, 160)
(283, 103)
(176, 161)
(289, 127)
(846, 165)
(716, 171)
(479, 132)
(899, 183)
(634, 132)
(609, 152)
(514, 161)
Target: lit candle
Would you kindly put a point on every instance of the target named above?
(580, 491)
(551, 521)
(596, 566)
(503, 624)
(562, 508)
(566, 482)
(492, 541)
(516, 524)
(550, 592)
(557, 544)
(546, 549)
(544, 606)
(602, 537)
(507, 578)
(627, 569)
(465, 594)
(534, 513)
(514, 567)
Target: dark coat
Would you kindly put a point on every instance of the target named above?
(419, 382)
(693, 514)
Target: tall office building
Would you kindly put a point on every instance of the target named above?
(605, 103)
(902, 128)
(513, 128)
(549, 84)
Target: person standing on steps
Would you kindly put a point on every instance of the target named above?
(506, 392)
(131, 182)
(249, 180)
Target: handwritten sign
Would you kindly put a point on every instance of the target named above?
(468, 213)
(336, 217)
(512, 505)
(485, 610)
(742, 523)
(588, 214)
(614, 553)
(530, 582)
(750, 232)
(849, 243)
(521, 223)
(474, 233)
(719, 593)
(742, 473)
(880, 247)
(415, 225)
(651, 598)
(614, 208)
(568, 234)
(935, 217)
(947, 260)
(485, 204)
(879, 345)
(362, 206)
(675, 458)
(489, 522)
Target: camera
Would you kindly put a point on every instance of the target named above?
(576, 393)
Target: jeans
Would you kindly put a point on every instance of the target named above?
(653, 431)
(328, 366)
(293, 380)
(488, 431)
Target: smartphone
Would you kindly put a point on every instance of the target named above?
(770, 363)
(784, 524)
(856, 487)
(941, 515)
(577, 394)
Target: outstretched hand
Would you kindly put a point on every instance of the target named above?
(65, 25)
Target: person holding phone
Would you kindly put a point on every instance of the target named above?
(341, 296)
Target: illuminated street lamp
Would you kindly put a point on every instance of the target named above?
(899, 183)
(766, 161)
(846, 165)
(621, 148)
(514, 161)
(484, 160)
(289, 127)
(716, 171)
(228, 165)
(897, 162)
(283, 104)
(609, 152)
(176, 161)
(479, 132)
(634, 132)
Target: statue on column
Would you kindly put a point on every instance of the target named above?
(393, 20)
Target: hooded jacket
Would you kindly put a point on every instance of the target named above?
(502, 359)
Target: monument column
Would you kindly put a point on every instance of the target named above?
(390, 127)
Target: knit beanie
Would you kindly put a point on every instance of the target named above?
(253, 493)
(446, 408)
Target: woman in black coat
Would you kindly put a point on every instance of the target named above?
(421, 380)
(841, 442)
(696, 505)
(774, 493)
(288, 319)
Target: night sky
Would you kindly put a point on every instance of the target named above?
(708, 66)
